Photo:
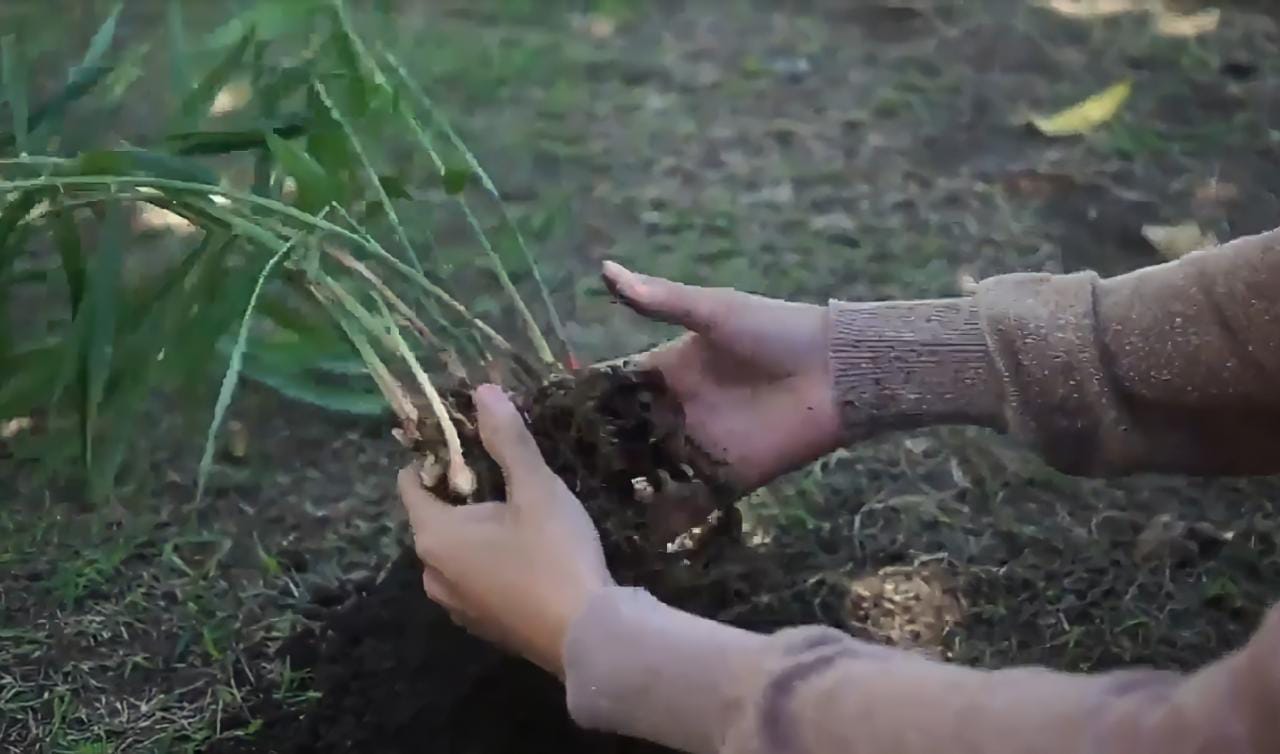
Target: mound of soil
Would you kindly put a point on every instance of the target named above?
(394, 674)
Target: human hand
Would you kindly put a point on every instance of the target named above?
(515, 573)
(752, 374)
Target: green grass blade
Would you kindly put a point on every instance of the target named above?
(231, 377)
(15, 91)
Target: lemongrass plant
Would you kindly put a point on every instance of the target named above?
(309, 279)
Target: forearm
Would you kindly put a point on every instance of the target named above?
(636, 667)
(1170, 368)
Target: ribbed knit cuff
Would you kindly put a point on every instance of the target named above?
(901, 365)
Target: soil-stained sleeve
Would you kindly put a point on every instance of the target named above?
(1172, 368)
(636, 667)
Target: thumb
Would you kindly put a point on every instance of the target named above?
(505, 436)
(689, 306)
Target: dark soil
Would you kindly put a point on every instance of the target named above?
(395, 674)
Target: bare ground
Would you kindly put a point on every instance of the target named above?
(847, 148)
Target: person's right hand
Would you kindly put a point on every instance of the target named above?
(752, 374)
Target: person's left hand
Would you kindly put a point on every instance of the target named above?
(515, 573)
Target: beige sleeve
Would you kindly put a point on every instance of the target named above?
(637, 667)
(1172, 368)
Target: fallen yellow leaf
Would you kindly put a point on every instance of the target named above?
(1086, 115)
(1174, 241)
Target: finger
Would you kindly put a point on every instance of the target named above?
(438, 588)
(505, 436)
(429, 516)
(665, 300)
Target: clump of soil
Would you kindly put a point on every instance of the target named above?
(394, 674)
(616, 437)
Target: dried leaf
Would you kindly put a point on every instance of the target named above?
(237, 440)
(1185, 26)
(1174, 241)
(595, 25)
(11, 428)
(1086, 115)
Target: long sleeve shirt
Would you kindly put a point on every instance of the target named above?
(1172, 368)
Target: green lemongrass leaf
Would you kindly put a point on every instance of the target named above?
(455, 180)
(214, 142)
(143, 162)
(370, 88)
(392, 392)
(171, 286)
(152, 328)
(315, 189)
(15, 91)
(371, 173)
(347, 400)
(197, 103)
(114, 183)
(531, 326)
(231, 377)
(176, 26)
(264, 182)
(424, 138)
(448, 337)
(300, 317)
(101, 308)
(126, 73)
(288, 354)
(73, 92)
(160, 318)
(12, 217)
(66, 236)
(285, 82)
(99, 45)
(213, 303)
(83, 77)
(268, 19)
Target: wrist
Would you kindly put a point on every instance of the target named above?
(569, 613)
(902, 365)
